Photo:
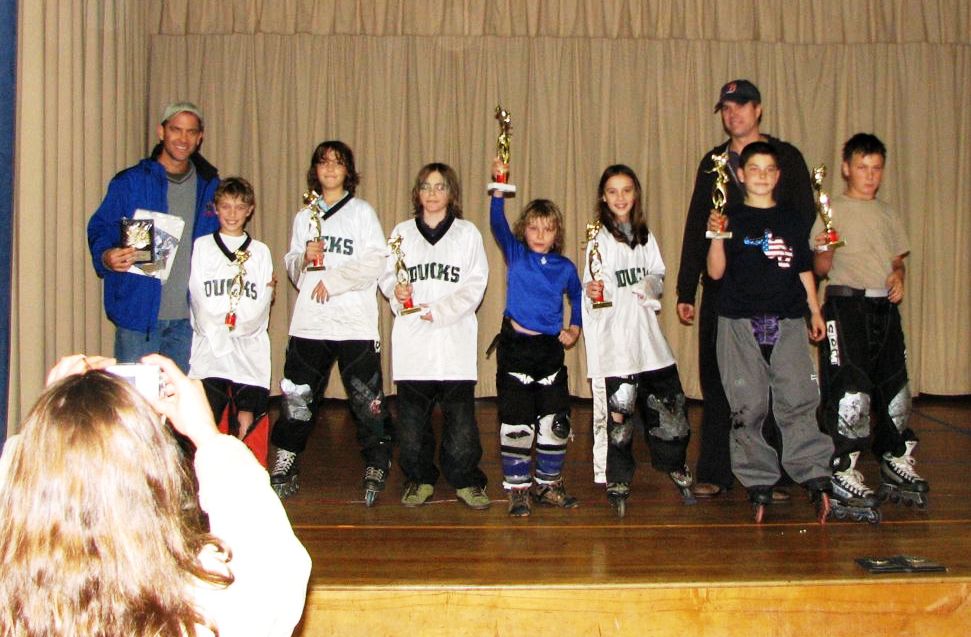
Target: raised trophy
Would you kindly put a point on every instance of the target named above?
(501, 182)
(314, 203)
(401, 274)
(595, 261)
(719, 195)
(236, 287)
(833, 239)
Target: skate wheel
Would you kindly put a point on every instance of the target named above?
(759, 513)
(874, 517)
(688, 498)
(370, 497)
(824, 508)
(839, 513)
(621, 506)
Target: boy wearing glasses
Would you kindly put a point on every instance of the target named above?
(337, 251)
(435, 338)
(767, 290)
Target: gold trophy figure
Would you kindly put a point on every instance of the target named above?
(236, 288)
(501, 180)
(595, 261)
(719, 195)
(833, 239)
(401, 274)
(314, 202)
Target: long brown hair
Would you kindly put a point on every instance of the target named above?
(638, 221)
(100, 527)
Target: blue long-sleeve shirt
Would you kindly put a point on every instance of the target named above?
(536, 282)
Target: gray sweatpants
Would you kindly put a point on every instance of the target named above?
(789, 376)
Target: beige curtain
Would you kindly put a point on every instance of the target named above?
(81, 117)
(588, 83)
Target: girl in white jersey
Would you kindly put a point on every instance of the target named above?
(337, 252)
(435, 283)
(626, 351)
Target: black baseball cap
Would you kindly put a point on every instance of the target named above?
(740, 92)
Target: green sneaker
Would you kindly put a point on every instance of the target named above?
(416, 494)
(474, 497)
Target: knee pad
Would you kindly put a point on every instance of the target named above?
(517, 437)
(554, 429)
(899, 409)
(561, 425)
(623, 398)
(367, 399)
(620, 433)
(854, 415)
(672, 423)
(297, 400)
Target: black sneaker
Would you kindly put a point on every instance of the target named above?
(519, 503)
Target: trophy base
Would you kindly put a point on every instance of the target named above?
(718, 235)
(316, 268)
(501, 187)
(827, 247)
(409, 310)
(599, 305)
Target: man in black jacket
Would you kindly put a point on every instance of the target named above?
(740, 106)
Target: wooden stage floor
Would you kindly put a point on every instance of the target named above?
(667, 568)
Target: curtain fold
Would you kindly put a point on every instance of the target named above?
(588, 84)
(781, 21)
(81, 117)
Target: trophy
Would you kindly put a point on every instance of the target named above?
(719, 194)
(833, 239)
(236, 288)
(139, 234)
(501, 182)
(401, 274)
(314, 202)
(595, 262)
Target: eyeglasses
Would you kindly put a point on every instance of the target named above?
(439, 187)
(330, 163)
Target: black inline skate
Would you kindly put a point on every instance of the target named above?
(819, 492)
(374, 481)
(283, 473)
(617, 494)
(852, 498)
(683, 479)
(760, 497)
(900, 481)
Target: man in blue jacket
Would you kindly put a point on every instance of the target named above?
(149, 316)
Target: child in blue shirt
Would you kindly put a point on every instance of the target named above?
(531, 379)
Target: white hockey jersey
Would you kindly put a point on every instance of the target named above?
(448, 278)
(625, 338)
(243, 354)
(354, 257)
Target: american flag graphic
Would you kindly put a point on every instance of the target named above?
(773, 247)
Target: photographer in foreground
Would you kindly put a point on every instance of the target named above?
(101, 527)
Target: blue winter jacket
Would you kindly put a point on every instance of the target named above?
(132, 300)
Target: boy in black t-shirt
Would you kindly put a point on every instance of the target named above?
(768, 287)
